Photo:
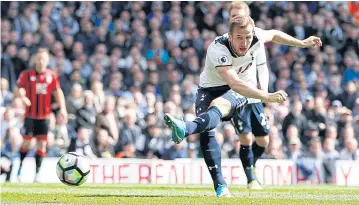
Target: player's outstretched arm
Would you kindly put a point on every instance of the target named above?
(239, 86)
(280, 37)
(60, 100)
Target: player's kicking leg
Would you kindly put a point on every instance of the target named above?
(251, 117)
(222, 107)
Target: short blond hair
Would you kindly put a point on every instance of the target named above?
(241, 22)
(240, 5)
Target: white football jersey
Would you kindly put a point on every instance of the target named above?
(219, 53)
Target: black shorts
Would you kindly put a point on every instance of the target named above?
(36, 128)
(251, 118)
(205, 96)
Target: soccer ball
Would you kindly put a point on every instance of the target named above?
(73, 169)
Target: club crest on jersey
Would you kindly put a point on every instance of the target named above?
(252, 55)
(223, 60)
(49, 79)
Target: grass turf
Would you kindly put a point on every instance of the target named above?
(174, 194)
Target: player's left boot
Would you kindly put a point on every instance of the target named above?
(178, 128)
(223, 191)
(255, 175)
(37, 177)
(254, 185)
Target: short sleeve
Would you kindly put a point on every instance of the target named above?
(219, 55)
(22, 81)
(261, 57)
(56, 82)
(261, 35)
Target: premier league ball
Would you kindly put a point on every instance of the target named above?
(73, 169)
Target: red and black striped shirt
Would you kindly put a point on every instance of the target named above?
(39, 88)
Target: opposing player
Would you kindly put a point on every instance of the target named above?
(229, 58)
(35, 87)
(251, 120)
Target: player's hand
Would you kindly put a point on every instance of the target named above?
(63, 113)
(277, 97)
(26, 101)
(312, 42)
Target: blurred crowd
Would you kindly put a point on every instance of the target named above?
(123, 64)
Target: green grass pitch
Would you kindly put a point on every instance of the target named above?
(174, 194)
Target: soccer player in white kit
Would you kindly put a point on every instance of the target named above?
(209, 146)
(221, 91)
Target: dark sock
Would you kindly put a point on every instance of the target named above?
(204, 122)
(38, 159)
(23, 154)
(257, 151)
(246, 156)
(212, 156)
(8, 174)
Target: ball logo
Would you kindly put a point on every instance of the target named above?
(223, 60)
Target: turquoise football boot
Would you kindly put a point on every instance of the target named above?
(178, 128)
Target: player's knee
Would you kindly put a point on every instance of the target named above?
(223, 105)
(26, 143)
(41, 144)
(246, 139)
(262, 141)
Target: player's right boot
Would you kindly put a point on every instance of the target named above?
(178, 128)
(18, 176)
(254, 185)
(222, 191)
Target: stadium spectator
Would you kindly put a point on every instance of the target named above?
(274, 150)
(87, 37)
(108, 121)
(330, 155)
(86, 115)
(52, 149)
(6, 95)
(351, 151)
(130, 133)
(81, 143)
(294, 150)
(160, 140)
(62, 134)
(329, 149)
(99, 95)
(352, 73)
(7, 69)
(348, 97)
(356, 108)
(292, 133)
(295, 117)
(234, 153)
(315, 150)
(229, 136)
(75, 101)
(103, 147)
